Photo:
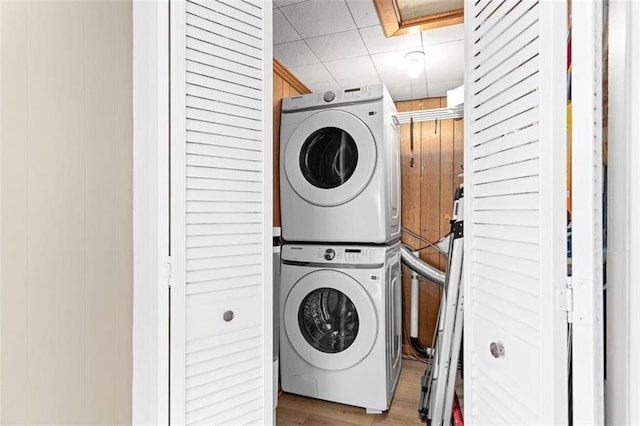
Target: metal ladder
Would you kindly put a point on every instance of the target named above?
(439, 380)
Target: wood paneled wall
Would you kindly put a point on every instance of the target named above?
(284, 85)
(427, 199)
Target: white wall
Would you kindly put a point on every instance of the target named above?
(66, 199)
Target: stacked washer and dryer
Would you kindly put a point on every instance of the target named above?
(340, 296)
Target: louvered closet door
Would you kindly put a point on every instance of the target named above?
(515, 218)
(221, 322)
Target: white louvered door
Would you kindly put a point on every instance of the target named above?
(515, 216)
(221, 166)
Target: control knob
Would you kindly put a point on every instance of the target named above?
(329, 96)
(329, 254)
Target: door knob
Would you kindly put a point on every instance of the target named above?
(496, 349)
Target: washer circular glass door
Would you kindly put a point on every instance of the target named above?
(330, 320)
(330, 158)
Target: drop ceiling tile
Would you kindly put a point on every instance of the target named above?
(363, 12)
(396, 79)
(283, 3)
(282, 30)
(440, 89)
(317, 18)
(443, 34)
(396, 84)
(361, 66)
(342, 45)
(407, 89)
(445, 62)
(352, 83)
(401, 93)
(294, 54)
(376, 42)
(419, 92)
(407, 93)
(390, 81)
(309, 74)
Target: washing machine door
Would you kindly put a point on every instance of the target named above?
(330, 320)
(330, 158)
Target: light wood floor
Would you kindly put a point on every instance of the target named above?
(300, 410)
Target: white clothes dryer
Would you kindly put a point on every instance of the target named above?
(341, 323)
(340, 167)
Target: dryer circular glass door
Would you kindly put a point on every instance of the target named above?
(330, 320)
(330, 158)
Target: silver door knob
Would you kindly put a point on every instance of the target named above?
(496, 349)
(228, 316)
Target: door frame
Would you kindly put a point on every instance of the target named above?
(587, 335)
(151, 261)
(623, 321)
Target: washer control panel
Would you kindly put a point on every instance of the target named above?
(334, 254)
(345, 254)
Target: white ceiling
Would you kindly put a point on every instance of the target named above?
(332, 44)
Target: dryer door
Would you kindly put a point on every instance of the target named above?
(330, 320)
(330, 158)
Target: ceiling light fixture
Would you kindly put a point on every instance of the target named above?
(415, 63)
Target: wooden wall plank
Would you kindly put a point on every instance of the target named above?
(293, 91)
(286, 75)
(411, 176)
(430, 209)
(278, 84)
(458, 153)
(284, 85)
(427, 201)
(410, 212)
(447, 176)
(430, 182)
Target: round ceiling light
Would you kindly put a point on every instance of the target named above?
(415, 63)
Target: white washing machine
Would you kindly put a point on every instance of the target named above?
(341, 323)
(340, 167)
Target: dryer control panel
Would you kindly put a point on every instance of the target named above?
(356, 255)
(333, 97)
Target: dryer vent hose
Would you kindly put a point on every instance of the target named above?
(419, 266)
